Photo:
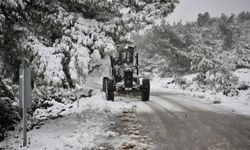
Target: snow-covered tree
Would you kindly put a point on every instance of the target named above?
(166, 41)
(62, 34)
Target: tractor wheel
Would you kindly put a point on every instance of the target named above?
(110, 90)
(145, 90)
(104, 82)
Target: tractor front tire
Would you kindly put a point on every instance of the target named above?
(145, 90)
(110, 90)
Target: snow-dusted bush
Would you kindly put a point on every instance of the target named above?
(48, 103)
(9, 114)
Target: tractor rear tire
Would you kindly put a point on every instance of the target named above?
(145, 90)
(104, 82)
(110, 90)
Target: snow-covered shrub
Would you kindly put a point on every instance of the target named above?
(48, 103)
(181, 82)
(43, 95)
(6, 89)
(9, 116)
(224, 81)
(231, 92)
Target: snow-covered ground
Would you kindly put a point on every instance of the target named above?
(78, 127)
(237, 104)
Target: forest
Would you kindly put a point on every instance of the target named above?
(213, 47)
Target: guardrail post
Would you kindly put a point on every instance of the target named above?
(25, 97)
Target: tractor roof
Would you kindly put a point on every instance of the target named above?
(125, 47)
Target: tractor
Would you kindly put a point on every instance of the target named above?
(124, 74)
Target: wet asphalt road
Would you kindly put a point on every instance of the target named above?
(181, 123)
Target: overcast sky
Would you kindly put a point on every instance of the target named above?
(188, 10)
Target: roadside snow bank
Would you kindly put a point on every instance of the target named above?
(78, 127)
(239, 104)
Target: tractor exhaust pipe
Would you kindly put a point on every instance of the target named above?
(112, 62)
(137, 63)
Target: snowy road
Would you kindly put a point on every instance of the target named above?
(177, 123)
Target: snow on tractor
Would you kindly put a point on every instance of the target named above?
(124, 75)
